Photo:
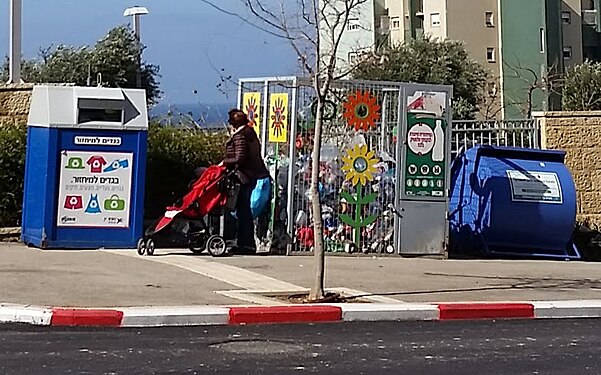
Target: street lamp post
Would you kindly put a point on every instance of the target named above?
(135, 13)
(14, 59)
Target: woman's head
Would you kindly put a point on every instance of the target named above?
(237, 118)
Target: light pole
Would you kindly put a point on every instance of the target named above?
(135, 13)
(14, 58)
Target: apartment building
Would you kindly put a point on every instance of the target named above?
(524, 44)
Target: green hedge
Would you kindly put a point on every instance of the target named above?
(173, 155)
(12, 171)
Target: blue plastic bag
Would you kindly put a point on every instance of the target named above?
(260, 197)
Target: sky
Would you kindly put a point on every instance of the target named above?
(190, 41)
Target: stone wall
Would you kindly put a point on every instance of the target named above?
(14, 103)
(579, 134)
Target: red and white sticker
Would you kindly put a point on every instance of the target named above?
(420, 139)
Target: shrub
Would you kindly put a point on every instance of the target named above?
(582, 87)
(12, 172)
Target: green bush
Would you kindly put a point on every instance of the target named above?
(582, 87)
(173, 155)
(12, 171)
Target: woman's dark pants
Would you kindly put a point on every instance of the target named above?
(246, 227)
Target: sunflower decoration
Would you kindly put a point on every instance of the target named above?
(361, 110)
(359, 165)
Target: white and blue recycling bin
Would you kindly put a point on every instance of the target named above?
(515, 202)
(85, 168)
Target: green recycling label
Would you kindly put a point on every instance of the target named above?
(425, 156)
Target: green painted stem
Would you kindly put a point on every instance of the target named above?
(358, 215)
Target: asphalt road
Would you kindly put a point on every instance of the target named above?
(489, 347)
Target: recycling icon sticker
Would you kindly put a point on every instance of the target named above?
(74, 202)
(75, 163)
(117, 164)
(93, 207)
(95, 189)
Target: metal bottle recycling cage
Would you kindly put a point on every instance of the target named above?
(398, 216)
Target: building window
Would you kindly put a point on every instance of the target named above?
(566, 17)
(435, 19)
(542, 40)
(489, 19)
(353, 58)
(353, 24)
(589, 17)
(492, 89)
(490, 54)
(567, 52)
(395, 23)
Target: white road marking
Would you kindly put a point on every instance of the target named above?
(228, 274)
(255, 286)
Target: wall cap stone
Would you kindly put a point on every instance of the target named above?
(559, 114)
(16, 87)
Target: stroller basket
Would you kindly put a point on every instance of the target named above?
(230, 188)
(213, 194)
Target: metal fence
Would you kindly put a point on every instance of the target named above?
(511, 133)
(291, 164)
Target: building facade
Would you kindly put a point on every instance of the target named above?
(526, 45)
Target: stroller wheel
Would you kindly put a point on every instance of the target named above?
(141, 246)
(150, 246)
(216, 246)
(389, 249)
(196, 243)
(196, 249)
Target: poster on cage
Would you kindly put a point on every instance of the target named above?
(94, 189)
(251, 105)
(278, 118)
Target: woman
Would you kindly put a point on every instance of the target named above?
(243, 154)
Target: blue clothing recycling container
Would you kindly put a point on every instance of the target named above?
(85, 168)
(512, 201)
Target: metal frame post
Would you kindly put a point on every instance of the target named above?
(384, 124)
(400, 139)
(240, 94)
(265, 116)
(291, 164)
(15, 42)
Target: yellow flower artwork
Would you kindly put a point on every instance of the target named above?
(359, 165)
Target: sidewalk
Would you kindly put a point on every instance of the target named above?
(176, 278)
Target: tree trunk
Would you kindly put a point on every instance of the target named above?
(317, 290)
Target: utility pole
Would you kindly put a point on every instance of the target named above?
(14, 58)
(135, 13)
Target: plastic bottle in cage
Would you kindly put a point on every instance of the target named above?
(438, 150)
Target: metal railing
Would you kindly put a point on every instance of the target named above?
(511, 133)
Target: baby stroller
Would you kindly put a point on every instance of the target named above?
(210, 197)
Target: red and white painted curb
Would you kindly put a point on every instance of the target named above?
(236, 315)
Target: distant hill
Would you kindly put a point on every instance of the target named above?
(207, 115)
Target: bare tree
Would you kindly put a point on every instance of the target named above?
(491, 105)
(314, 29)
(548, 81)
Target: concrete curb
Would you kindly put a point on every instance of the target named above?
(40, 316)
(239, 315)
